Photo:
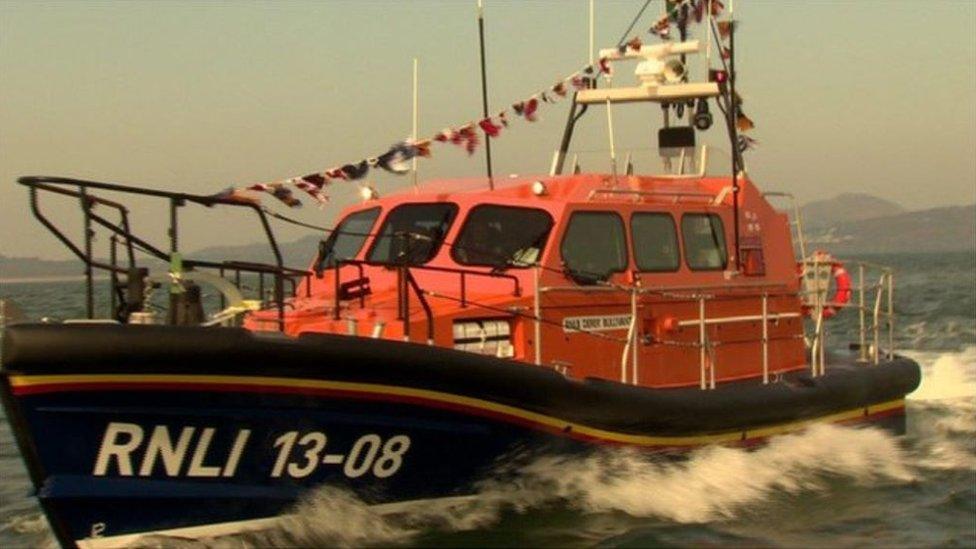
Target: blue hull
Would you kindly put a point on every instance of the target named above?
(137, 430)
(122, 492)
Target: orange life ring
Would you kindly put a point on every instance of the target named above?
(842, 289)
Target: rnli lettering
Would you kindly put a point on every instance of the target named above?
(128, 449)
(596, 323)
(122, 446)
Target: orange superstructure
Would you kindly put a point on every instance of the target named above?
(549, 312)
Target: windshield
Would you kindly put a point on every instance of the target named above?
(502, 236)
(412, 233)
(347, 238)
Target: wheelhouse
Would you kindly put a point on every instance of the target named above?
(564, 279)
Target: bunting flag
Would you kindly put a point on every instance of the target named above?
(397, 159)
(467, 137)
(717, 7)
(579, 81)
(279, 191)
(526, 109)
(662, 29)
(724, 28)
(634, 44)
(699, 11)
(235, 195)
(559, 88)
(489, 127)
(743, 123)
(352, 172)
(423, 147)
(313, 191)
(680, 12)
(746, 143)
(318, 180)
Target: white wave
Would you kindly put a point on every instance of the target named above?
(333, 517)
(946, 375)
(31, 529)
(942, 411)
(715, 482)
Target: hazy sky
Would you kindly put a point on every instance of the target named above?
(875, 96)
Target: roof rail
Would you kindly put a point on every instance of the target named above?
(676, 196)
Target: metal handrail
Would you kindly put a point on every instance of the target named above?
(707, 359)
(884, 292)
(707, 369)
(797, 221)
(637, 194)
(462, 273)
(611, 288)
(122, 229)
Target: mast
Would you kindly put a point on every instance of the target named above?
(484, 90)
(734, 131)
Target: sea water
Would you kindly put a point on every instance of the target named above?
(825, 486)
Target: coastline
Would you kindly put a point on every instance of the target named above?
(54, 278)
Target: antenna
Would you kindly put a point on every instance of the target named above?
(592, 49)
(416, 188)
(484, 90)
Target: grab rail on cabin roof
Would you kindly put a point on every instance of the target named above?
(558, 160)
(80, 189)
(637, 194)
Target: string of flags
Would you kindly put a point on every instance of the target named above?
(397, 159)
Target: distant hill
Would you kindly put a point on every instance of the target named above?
(847, 207)
(32, 267)
(934, 230)
(298, 253)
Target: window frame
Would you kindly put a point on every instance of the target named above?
(677, 241)
(333, 235)
(725, 241)
(623, 225)
(379, 232)
(467, 218)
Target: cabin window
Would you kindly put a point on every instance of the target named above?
(655, 242)
(347, 238)
(412, 233)
(502, 236)
(704, 238)
(594, 246)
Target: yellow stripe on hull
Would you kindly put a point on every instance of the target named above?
(449, 398)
